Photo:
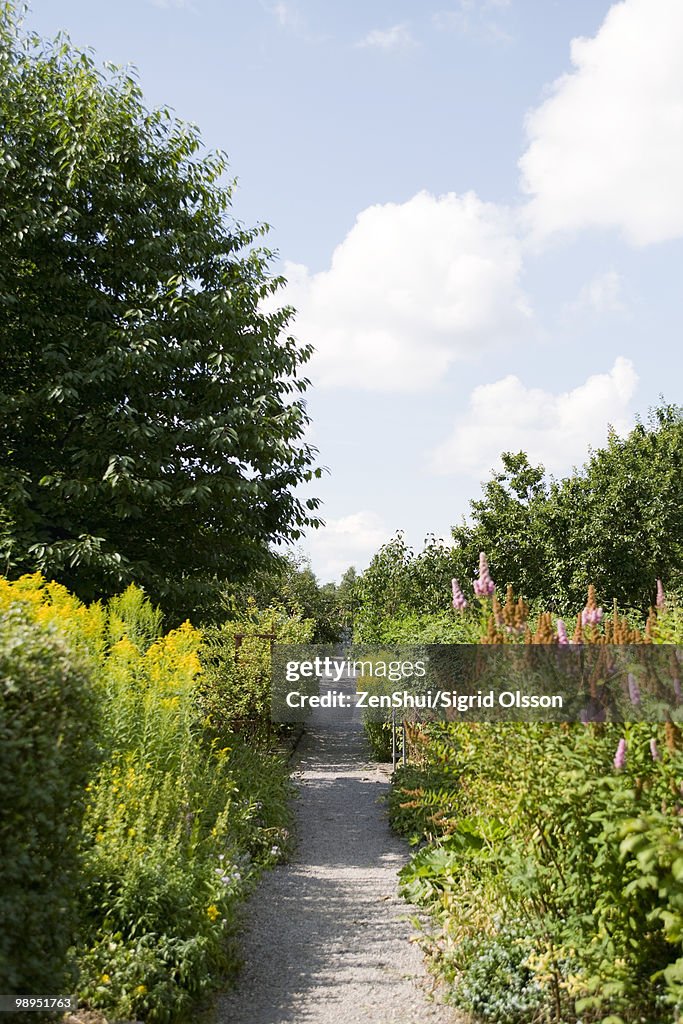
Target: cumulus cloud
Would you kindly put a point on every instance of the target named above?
(398, 37)
(413, 288)
(554, 429)
(606, 147)
(348, 540)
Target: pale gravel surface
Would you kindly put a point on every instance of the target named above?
(326, 938)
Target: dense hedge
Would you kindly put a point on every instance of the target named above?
(47, 752)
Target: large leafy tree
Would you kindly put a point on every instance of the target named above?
(151, 411)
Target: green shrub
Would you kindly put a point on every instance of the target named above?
(535, 823)
(177, 825)
(235, 688)
(379, 737)
(47, 721)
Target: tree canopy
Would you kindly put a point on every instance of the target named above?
(151, 412)
(617, 523)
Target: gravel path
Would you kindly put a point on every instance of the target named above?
(327, 940)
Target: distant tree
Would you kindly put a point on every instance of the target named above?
(507, 522)
(617, 522)
(287, 581)
(346, 597)
(151, 414)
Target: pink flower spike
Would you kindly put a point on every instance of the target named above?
(620, 756)
(459, 601)
(633, 690)
(661, 596)
(484, 585)
(562, 637)
(654, 751)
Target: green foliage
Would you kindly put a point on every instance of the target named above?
(151, 418)
(47, 721)
(289, 583)
(617, 523)
(533, 827)
(178, 822)
(379, 737)
(235, 689)
(403, 596)
(494, 980)
(554, 872)
(347, 601)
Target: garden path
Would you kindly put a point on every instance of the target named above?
(326, 939)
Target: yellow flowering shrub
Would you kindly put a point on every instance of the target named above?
(176, 823)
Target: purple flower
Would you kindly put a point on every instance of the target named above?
(661, 597)
(562, 637)
(484, 585)
(654, 751)
(620, 756)
(591, 616)
(633, 690)
(459, 602)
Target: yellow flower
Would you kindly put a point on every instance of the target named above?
(105, 979)
(212, 912)
(141, 990)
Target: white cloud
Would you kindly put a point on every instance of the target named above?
(602, 294)
(413, 288)
(606, 148)
(349, 540)
(553, 429)
(398, 37)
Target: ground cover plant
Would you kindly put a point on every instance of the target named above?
(152, 824)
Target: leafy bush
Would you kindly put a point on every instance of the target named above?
(178, 822)
(551, 857)
(535, 823)
(379, 737)
(47, 721)
(235, 689)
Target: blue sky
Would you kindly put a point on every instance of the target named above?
(476, 203)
